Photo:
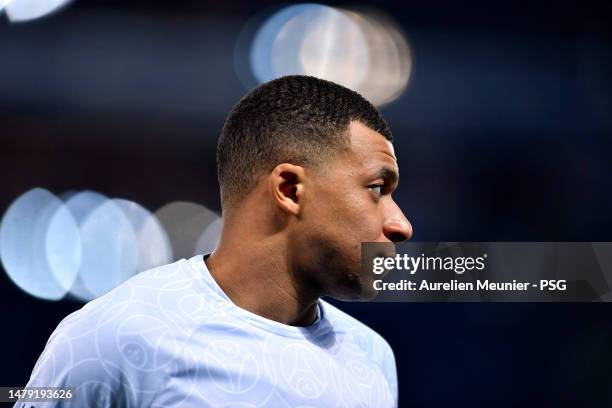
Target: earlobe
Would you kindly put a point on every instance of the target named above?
(286, 185)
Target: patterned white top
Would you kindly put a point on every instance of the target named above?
(170, 337)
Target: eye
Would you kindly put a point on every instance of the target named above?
(377, 188)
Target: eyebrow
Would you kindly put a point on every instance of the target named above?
(388, 174)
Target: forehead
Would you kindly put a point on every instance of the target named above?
(369, 147)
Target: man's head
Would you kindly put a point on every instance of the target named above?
(317, 159)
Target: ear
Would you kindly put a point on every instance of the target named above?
(286, 186)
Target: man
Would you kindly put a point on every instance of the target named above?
(306, 169)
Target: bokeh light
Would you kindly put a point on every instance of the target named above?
(184, 223)
(362, 50)
(263, 41)
(82, 205)
(26, 10)
(153, 245)
(63, 247)
(109, 253)
(86, 244)
(3, 3)
(390, 56)
(323, 42)
(40, 245)
(209, 239)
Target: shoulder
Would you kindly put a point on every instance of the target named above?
(137, 303)
(119, 347)
(148, 310)
(161, 296)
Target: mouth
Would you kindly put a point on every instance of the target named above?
(372, 251)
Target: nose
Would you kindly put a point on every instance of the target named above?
(396, 226)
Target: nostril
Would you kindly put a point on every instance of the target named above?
(397, 237)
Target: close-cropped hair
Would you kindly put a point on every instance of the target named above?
(296, 119)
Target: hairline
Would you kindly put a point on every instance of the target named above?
(329, 155)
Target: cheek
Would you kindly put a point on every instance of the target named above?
(360, 219)
(351, 215)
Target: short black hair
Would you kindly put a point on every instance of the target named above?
(293, 119)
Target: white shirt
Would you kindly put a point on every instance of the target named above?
(170, 337)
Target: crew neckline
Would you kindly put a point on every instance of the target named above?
(318, 327)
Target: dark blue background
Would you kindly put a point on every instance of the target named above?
(503, 134)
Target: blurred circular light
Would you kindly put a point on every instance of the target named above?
(184, 222)
(390, 57)
(40, 245)
(109, 248)
(154, 247)
(85, 246)
(262, 46)
(82, 203)
(325, 43)
(25, 10)
(210, 238)
(3, 4)
(110, 251)
(362, 51)
(63, 247)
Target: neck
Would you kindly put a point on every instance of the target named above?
(257, 277)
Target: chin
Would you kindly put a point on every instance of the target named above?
(354, 287)
(340, 266)
(367, 288)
